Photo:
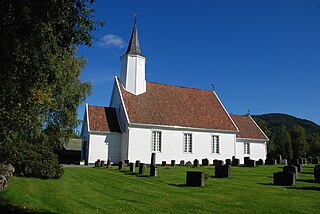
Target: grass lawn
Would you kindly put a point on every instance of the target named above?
(101, 190)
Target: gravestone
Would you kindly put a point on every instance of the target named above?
(141, 168)
(315, 161)
(132, 167)
(283, 161)
(121, 165)
(154, 171)
(284, 178)
(182, 163)
(251, 163)
(235, 162)
(215, 162)
(304, 161)
(188, 163)
(196, 163)
(317, 173)
(153, 159)
(222, 171)
(246, 160)
(220, 162)
(173, 162)
(228, 162)
(126, 163)
(137, 163)
(292, 169)
(205, 162)
(102, 163)
(260, 162)
(270, 161)
(195, 178)
(299, 166)
(108, 163)
(163, 163)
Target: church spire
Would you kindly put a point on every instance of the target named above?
(134, 46)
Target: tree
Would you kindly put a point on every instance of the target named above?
(299, 142)
(40, 88)
(314, 150)
(284, 144)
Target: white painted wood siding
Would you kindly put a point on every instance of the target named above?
(258, 150)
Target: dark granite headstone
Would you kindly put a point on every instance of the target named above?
(292, 169)
(317, 173)
(173, 162)
(126, 163)
(196, 163)
(188, 163)
(304, 161)
(315, 161)
(215, 162)
(182, 163)
(163, 163)
(102, 163)
(284, 178)
(235, 162)
(205, 162)
(108, 163)
(121, 165)
(222, 171)
(132, 167)
(220, 162)
(153, 159)
(154, 171)
(251, 163)
(270, 161)
(137, 163)
(141, 168)
(260, 162)
(246, 160)
(228, 161)
(195, 179)
(299, 166)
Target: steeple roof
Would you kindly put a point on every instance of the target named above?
(134, 46)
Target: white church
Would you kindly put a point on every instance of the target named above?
(175, 122)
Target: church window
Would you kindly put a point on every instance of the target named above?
(246, 148)
(156, 141)
(187, 143)
(215, 144)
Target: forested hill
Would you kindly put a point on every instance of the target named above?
(289, 136)
(276, 120)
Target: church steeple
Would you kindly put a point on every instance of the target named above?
(132, 75)
(134, 46)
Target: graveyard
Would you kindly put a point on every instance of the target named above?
(120, 190)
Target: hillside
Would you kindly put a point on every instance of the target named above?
(275, 120)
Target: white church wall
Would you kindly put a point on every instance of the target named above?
(258, 149)
(172, 145)
(97, 148)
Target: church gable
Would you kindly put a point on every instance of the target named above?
(177, 106)
(103, 119)
(248, 129)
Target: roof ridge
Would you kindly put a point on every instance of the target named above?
(179, 86)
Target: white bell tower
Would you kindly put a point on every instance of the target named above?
(133, 74)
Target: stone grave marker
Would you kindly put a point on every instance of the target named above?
(235, 162)
(153, 159)
(260, 162)
(188, 163)
(228, 162)
(126, 162)
(141, 168)
(284, 178)
(222, 171)
(102, 163)
(205, 162)
(163, 163)
(196, 163)
(317, 173)
(121, 165)
(182, 163)
(246, 160)
(137, 163)
(108, 163)
(132, 167)
(299, 166)
(154, 171)
(173, 162)
(195, 178)
(220, 162)
(292, 169)
(215, 162)
(251, 163)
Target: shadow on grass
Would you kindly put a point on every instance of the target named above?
(135, 173)
(309, 173)
(178, 185)
(305, 188)
(307, 180)
(6, 207)
(267, 184)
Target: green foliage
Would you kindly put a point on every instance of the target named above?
(303, 134)
(101, 190)
(40, 88)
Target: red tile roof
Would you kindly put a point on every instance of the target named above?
(247, 127)
(103, 119)
(176, 106)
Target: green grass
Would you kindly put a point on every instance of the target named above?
(101, 190)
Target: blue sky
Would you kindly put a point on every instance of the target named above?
(262, 55)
